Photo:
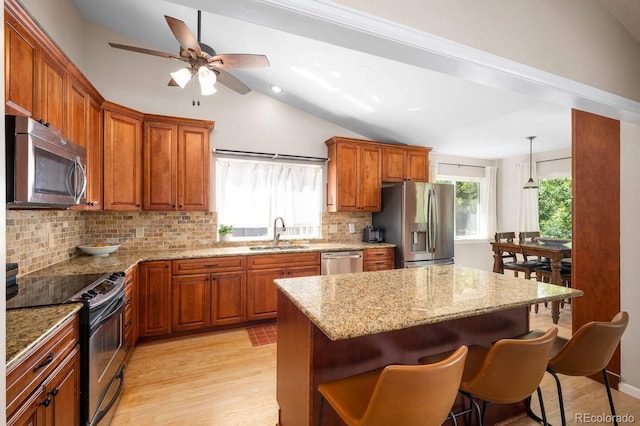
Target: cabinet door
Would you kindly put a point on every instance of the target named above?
(20, 68)
(94, 156)
(369, 182)
(193, 168)
(393, 169)
(347, 156)
(32, 412)
(52, 93)
(154, 315)
(191, 300)
(64, 392)
(122, 161)
(229, 298)
(160, 166)
(417, 165)
(76, 113)
(262, 294)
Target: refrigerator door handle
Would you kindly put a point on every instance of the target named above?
(432, 226)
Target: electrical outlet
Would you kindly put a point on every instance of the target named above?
(139, 232)
(333, 229)
(352, 228)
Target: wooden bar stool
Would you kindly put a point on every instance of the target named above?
(510, 260)
(507, 372)
(587, 352)
(402, 395)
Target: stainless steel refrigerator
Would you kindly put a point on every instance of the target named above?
(419, 219)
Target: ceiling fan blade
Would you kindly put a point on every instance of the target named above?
(231, 82)
(173, 83)
(146, 51)
(183, 35)
(239, 60)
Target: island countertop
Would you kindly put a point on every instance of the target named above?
(352, 305)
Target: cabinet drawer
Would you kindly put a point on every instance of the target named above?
(377, 265)
(28, 374)
(378, 254)
(206, 265)
(283, 260)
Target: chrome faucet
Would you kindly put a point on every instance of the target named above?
(276, 234)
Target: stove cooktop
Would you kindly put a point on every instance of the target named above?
(41, 291)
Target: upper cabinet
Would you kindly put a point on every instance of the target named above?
(122, 158)
(20, 67)
(353, 175)
(357, 168)
(401, 163)
(176, 163)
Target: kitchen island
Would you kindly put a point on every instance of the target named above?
(335, 326)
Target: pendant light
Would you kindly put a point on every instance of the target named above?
(531, 184)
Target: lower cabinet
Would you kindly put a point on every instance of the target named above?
(378, 259)
(208, 292)
(44, 389)
(262, 294)
(154, 302)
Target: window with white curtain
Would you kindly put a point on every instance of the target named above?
(251, 194)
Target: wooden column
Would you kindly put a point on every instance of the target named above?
(596, 220)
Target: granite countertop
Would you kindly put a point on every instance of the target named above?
(29, 326)
(123, 260)
(351, 305)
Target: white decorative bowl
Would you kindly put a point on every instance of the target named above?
(98, 250)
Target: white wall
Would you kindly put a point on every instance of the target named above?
(629, 237)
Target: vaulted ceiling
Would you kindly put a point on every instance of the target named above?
(382, 98)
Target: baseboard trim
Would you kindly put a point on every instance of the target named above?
(629, 390)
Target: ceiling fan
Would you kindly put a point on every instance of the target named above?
(202, 60)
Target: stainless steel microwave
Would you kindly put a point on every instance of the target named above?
(43, 169)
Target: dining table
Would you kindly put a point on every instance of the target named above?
(553, 250)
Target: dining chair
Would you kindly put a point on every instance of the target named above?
(587, 352)
(510, 260)
(402, 395)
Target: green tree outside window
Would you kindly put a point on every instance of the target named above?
(554, 207)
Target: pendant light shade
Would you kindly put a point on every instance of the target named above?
(531, 184)
(182, 76)
(206, 78)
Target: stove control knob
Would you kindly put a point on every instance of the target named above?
(86, 296)
(92, 293)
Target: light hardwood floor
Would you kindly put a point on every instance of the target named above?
(221, 379)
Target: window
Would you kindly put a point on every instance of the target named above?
(554, 207)
(251, 194)
(467, 219)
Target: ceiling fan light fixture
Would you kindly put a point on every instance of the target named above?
(207, 79)
(182, 76)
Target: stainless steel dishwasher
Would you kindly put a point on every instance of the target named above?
(340, 262)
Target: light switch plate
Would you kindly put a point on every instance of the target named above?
(139, 232)
(333, 229)
(352, 228)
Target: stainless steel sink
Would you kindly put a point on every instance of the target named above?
(277, 248)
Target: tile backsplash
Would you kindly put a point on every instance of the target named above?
(38, 238)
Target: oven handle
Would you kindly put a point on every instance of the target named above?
(101, 413)
(106, 316)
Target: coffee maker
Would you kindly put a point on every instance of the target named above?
(372, 234)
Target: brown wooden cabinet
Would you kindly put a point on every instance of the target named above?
(208, 292)
(95, 164)
(262, 294)
(400, 163)
(378, 259)
(44, 388)
(52, 93)
(353, 175)
(20, 66)
(122, 158)
(176, 163)
(154, 298)
(130, 311)
(76, 113)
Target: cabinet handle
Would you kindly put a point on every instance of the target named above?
(213, 278)
(282, 273)
(44, 363)
(129, 281)
(128, 324)
(173, 206)
(46, 402)
(166, 266)
(53, 392)
(127, 302)
(137, 205)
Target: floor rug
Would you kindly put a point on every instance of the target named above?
(263, 334)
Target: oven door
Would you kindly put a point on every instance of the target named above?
(106, 357)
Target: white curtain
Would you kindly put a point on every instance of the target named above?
(433, 171)
(251, 194)
(488, 203)
(527, 200)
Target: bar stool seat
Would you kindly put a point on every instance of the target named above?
(397, 394)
